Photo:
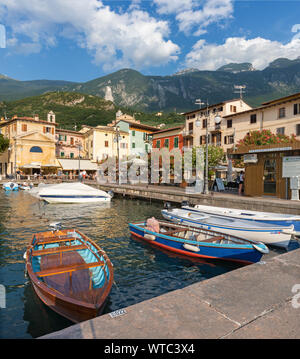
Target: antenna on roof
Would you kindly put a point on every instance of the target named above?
(240, 89)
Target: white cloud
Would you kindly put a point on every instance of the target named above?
(115, 39)
(193, 15)
(260, 52)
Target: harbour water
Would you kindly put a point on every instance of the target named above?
(141, 271)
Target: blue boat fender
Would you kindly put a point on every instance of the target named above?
(261, 248)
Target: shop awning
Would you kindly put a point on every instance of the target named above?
(73, 164)
(32, 165)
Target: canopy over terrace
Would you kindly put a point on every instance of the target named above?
(37, 167)
(74, 165)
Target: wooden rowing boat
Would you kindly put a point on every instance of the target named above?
(198, 242)
(70, 273)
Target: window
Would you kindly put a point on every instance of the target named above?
(232, 108)
(24, 127)
(166, 143)
(62, 154)
(191, 126)
(281, 112)
(280, 131)
(133, 133)
(296, 108)
(202, 140)
(253, 118)
(157, 144)
(15, 127)
(176, 142)
(298, 129)
(72, 140)
(204, 122)
(229, 123)
(71, 155)
(133, 145)
(106, 143)
(47, 129)
(228, 140)
(36, 149)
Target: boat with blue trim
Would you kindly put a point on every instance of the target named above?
(269, 234)
(278, 219)
(75, 192)
(198, 242)
(70, 273)
(10, 186)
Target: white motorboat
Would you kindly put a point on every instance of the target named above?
(269, 234)
(75, 192)
(265, 217)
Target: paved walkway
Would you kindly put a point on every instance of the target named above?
(256, 301)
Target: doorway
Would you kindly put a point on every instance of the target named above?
(269, 178)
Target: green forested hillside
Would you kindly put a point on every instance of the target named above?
(75, 109)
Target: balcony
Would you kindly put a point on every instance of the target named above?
(187, 133)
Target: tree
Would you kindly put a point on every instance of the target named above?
(216, 156)
(4, 143)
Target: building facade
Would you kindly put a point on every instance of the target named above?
(280, 116)
(31, 145)
(140, 135)
(102, 142)
(198, 121)
(170, 138)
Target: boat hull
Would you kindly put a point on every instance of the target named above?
(244, 254)
(261, 217)
(268, 236)
(70, 294)
(74, 199)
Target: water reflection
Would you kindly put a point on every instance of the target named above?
(141, 271)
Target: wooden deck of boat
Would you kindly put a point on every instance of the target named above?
(75, 284)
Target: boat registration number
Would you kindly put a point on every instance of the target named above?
(117, 313)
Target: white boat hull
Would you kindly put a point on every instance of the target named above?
(74, 200)
(272, 235)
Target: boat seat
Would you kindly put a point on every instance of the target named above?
(54, 240)
(178, 230)
(213, 239)
(67, 269)
(54, 250)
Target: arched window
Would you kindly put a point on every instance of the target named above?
(36, 149)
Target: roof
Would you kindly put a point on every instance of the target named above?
(30, 119)
(69, 131)
(139, 125)
(268, 104)
(181, 127)
(102, 128)
(211, 106)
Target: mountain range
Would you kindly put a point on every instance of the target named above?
(175, 93)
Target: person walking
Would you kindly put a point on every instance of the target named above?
(241, 182)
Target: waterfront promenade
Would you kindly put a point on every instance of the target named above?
(257, 301)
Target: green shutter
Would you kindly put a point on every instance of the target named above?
(176, 142)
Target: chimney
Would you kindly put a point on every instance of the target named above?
(36, 118)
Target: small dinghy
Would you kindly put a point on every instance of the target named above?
(269, 234)
(10, 186)
(197, 242)
(70, 273)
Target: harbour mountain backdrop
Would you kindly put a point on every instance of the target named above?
(128, 88)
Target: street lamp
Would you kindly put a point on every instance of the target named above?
(217, 121)
(117, 138)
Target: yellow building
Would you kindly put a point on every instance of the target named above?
(102, 142)
(31, 145)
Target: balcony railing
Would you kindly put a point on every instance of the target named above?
(187, 133)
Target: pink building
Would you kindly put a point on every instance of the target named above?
(68, 143)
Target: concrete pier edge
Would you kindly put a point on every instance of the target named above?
(258, 301)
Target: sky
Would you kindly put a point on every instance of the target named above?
(80, 40)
